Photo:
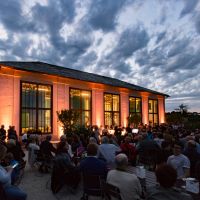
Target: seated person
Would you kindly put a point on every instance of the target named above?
(107, 152)
(91, 164)
(129, 150)
(46, 149)
(166, 176)
(179, 161)
(12, 192)
(63, 169)
(63, 138)
(14, 147)
(9, 160)
(32, 147)
(128, 184)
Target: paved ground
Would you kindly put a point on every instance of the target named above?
(37, 186)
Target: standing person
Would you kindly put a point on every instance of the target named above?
(179, 161)
(128, 184)
(12, 192)
(2, 133)
(12, 134)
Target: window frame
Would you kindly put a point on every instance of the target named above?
(112, 112)
(70, 103)
(36, 108)
(153, 113)
(135, 106)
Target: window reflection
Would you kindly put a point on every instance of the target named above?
(153, 112)
(36, 114)
(112, 109)
(135, 107)
(80, 100)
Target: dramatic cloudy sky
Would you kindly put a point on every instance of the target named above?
(152, 43)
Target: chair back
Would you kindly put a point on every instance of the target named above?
(2, 193)
(112, 191)
(92, 185)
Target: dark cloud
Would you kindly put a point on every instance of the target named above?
(160, 36)
(52, 17)
(197, 23)
(86, 60)
(130, 41)
(12, 18)
(188, 7)
(178, 46)
(102, 14)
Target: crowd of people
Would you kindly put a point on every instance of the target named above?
(170, 151)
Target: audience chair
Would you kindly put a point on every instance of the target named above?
(92, 186)
(2, 193)
(111, 191)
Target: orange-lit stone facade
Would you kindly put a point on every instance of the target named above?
(10, 98)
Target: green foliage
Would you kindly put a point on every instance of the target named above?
(82, 130)
(189, 120)
(135, 119)
(174, 118)
(69, 120)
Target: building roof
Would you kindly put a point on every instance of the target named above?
(50, 69)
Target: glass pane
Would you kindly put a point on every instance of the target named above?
(28, 120)
(75, 96)
(155, 106)
(108, 118)
(150, 119)
(29, 95)
(132, 104)
(44, 121)
(115, 102)
(44, 96)
(86, 118)
(86, 100)
(108, 102)
(138, 105)
(150, 106)
(116, 119)
(155, 119)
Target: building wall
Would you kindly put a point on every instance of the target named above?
(10, 98)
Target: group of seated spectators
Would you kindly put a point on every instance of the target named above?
(169, 151)
(11, 162)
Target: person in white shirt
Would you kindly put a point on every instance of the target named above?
(32, 147)
(107, 152)
(179, 161)
(128, 184)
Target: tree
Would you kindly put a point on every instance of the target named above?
(69, 120)
(183, 109)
